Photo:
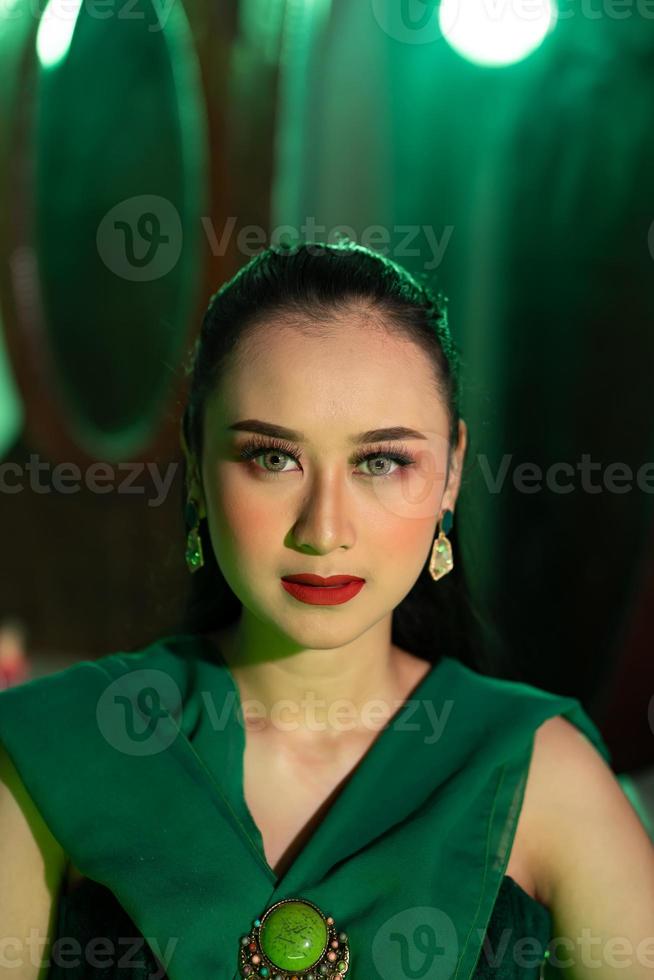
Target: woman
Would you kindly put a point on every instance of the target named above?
(319, 780)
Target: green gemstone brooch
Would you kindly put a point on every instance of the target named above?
(294, 940)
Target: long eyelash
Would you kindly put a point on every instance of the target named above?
(397, 452)
(257, 445)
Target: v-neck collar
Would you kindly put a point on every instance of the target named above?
(380, 775)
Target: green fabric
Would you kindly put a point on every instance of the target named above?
(91, 910)
(135, 762)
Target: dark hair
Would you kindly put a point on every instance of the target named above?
(316, 280)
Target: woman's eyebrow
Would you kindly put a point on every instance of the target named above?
(281, 432)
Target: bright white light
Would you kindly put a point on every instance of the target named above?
(496, 32)
(56, 30)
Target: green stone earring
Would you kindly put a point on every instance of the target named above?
(441, 561)
(194, 556)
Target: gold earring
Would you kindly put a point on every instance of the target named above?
(441, 561)
(194, 556)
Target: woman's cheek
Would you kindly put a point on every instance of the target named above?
(411, 495)
(241, 515)
(406, 544)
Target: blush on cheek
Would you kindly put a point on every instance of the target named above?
(230, 503)
(405, 543)
(244, 518)
(408, 537)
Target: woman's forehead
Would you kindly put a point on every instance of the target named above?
(337, 366)
(347, 373)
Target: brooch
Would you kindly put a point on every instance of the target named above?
(294, 940)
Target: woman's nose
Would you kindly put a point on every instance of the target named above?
(326, 519)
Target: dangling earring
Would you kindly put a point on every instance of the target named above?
(441, 561)
(194, 556)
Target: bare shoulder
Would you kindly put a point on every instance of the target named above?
(562, 750)
(31, 869)
(569, 784)
(570, 775)
(19, 814)
(558, 731)
(591, 855)
(572, 780)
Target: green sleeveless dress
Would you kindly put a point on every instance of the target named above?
(135, 762)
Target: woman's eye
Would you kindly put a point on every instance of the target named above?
(278, 458)
(380, 470)
(378, 465)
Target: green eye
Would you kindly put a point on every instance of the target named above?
(260, 447)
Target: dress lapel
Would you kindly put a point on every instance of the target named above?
(143, 816)
(381, 778)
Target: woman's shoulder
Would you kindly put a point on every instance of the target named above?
(564, 760)
(96, 710)
(595, 848)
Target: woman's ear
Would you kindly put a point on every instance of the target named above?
(456, 469)
(193, 483)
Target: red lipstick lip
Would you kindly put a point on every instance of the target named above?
(306, 579)
(323, 595)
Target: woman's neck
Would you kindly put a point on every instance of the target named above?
(314, 694)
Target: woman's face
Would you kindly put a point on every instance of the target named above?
(308, 505)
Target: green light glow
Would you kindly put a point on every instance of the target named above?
(11, 406)
(496, 32)
(56, 31)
